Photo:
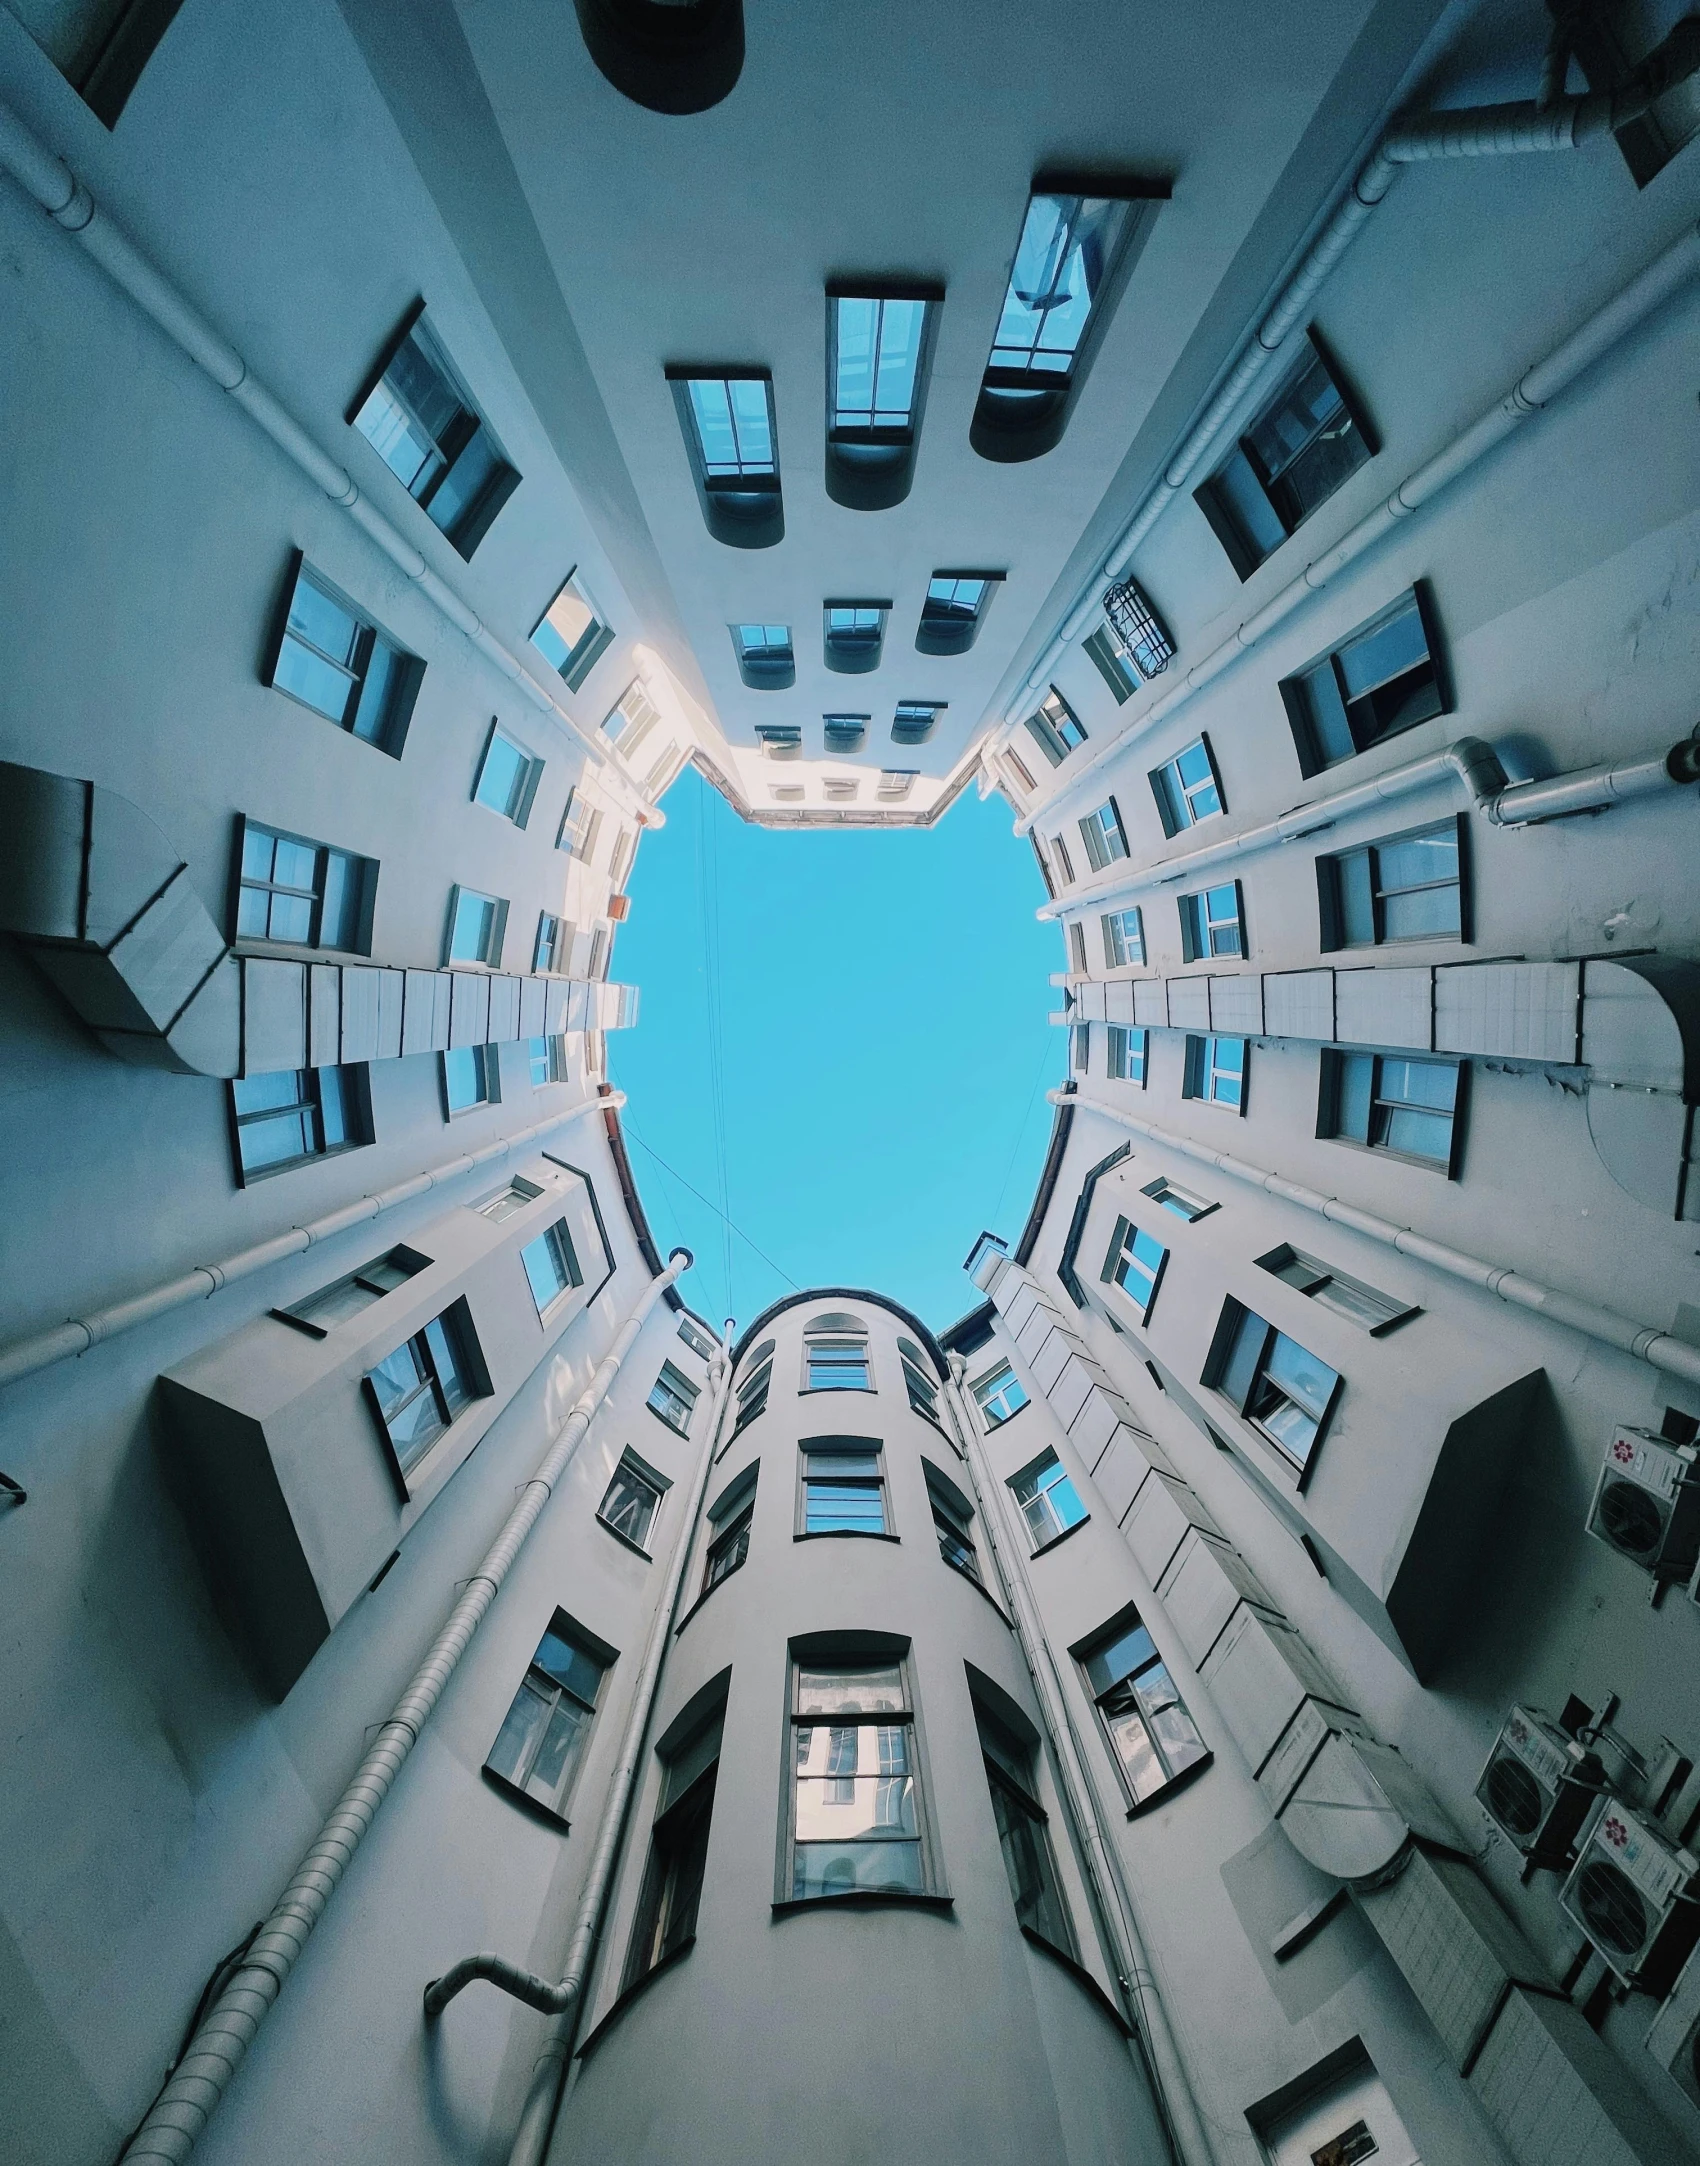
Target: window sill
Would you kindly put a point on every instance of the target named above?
(625, 1541)
(842, 1534)
(1380, 1150)
(671, 1427)
(1081, 1976)
(1008, 1418)
(295, 951)
(534, 1807)
(980, 1588)
(833, 1391)
(703, 1597)
(633, 1992)
(1057, 1540)
(866, 1899)
(1170, 1789)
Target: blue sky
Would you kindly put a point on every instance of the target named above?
(866, 1089)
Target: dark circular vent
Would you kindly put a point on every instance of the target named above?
(1514, 1797)
(673, 56)
(1612, 1908)
(1630, 1519)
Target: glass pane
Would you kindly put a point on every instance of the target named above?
(544, 1270)
(466, 480)
(630, 1506)
(1357, 899)
(844, 1507)
(847, 1809)
(1419, 1083)
(445, 1358)
(414, 1426)
(1321, 692)
(569, 1665)
(1310, 408)
(872, 1691)
(885, 1868)
(521, 1732)
(1241, 495)
(1134, 1749)
(317, 683)
(336, 1304)
(558, 1749)
(1428, 913)
(1286, 1423)
(1384, 652)
(378, 694)
(1118, 1658)
(1419, 860)
(290, 917)
(1419, 1135)
(322, 623)
(463, 1077)
(1027, 1861)
(274, 1141)
(339, 914)
(474, 924)
(569, 617)
(1354, 1087)
(505, 768)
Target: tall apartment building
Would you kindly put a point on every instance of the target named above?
(1229, 1698)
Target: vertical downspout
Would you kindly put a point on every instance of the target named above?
(1176, 2098)
(184, 2107)
(564, 2000)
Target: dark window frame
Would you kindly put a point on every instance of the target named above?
(1199, 1074)
(1122, 1253)
(1199, 929)
(851, 1652)
(675, 1869)
(537, 1680)
(1429, 689)
(471, 1383)
(1333, 909)
(389, 725)
(523, 794)
(356, 1116)
(675, 1382)
(1237, 1369)
(878, 1484)
(365, 875)
(1331, 1091)
(1313, 1280)
(1174, 797)
(640, 1475)
(1097, 836)
(1050, 732)
(1118, 1065)
(907, 724)
(575, 666)
(1092, 1650)
(1110, 939)
(1113, 663)
(1010, 1758)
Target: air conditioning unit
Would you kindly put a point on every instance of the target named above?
(1647, 1503)
(1674, 2040)
(1539, 1787)
(1636, 1897)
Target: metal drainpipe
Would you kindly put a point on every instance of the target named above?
(1549, 123)
(1475, 764)
(203, 2075)
(564, 1998)
(1177, 2101)
(43, 1348)
(50, 181)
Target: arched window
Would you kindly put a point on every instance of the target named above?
(835, 1355)
(879, 354)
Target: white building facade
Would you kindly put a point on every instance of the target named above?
(1228, 1699)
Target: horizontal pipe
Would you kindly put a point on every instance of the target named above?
(212, 2057)
(51, 183)
(1470, 761)
(1549, 123)
(1644, 1341)
(1533, 390)
(78, 1333)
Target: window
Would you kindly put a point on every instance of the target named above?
(1304, 442)
(601, 944)
(845, 732)
(954, 610)
(1281, 1389)
(666, 1919)
(879, 353)
(541, 1742)
(633, 1499)
(418, 1390)
(570, 635)
(477, 926)
(843, 1486)
(1113, 663)
(333, 660)
(471, 1077)
(1065, 864)
(915, 721)
(1212, 923)
(1124, 938)
(1101, 832)
(1179, 1200)
(1080, 1049)
(1049, 1502)
(580, 823)
(420, 420)
(895, 784)
(855, 1813)
(920, 1382)
(1187, 788)
(701, 1342)
(1407, 887)
(303, 892)
(853, 635)
(551, 1267)
(752, 1392)
(766, 661)
(672, 1396)
(1128, 1053)
(320, 1313)
(1387, 1103)
(507, 1201)
(1076, 947)
(1152, 1738)
(953, 1517)
(732, 441)
(1135, 1262)
(621, 856)
(835, 1353)
(1215, 1072)
(1375, 1312)
(998, 1395)
(781, 741)
(1032, 1870)
(1055, 728)
(549, 949)
(294, 1114)
(99, 46)
(508, 776)
(1075, 248)
(631, 719)
(1137, 630)
(1383, 679)
(730, 1516)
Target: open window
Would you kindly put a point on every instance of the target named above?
(540, 1746)
(1277, 1385)
(1151, 1738)
(666, 1920)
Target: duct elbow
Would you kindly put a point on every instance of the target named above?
(1682, 761)
(1477, 766)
